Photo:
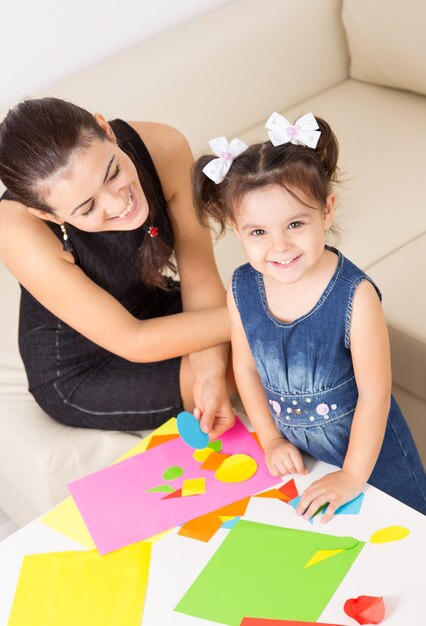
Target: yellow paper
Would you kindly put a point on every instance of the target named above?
(193, 486)
(66, 517)
(321, 555)
(236, 468)
(202, 454)
(391, 533)
(82, 588)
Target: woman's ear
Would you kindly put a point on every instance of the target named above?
(328, 213)
(100, 119)
(43, 215)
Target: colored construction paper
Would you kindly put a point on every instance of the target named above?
(235, 469)
(320, 556)
(214, 461)
(273, 493)
(157, 440)
(254, 621)
(255, 437)
(201, 528)
(391, 533)
(202, 455)
(193, 487)
(118, 510)
(175, 494)
(172, 472)
(365, 609)
(216, 445)
(66, 518)
(293, 503)
(190, 430)
(289, 489)
(161, 489)
(353, 507)
(230, 523)
(258, 570)
(70, 588)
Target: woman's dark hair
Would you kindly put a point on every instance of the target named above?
(263, 165)
(38, 137)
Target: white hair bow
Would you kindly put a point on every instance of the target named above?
(217, 169)
(304, 131)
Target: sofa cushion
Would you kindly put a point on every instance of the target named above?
(386, 42)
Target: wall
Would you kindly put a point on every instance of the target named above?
(45, 41)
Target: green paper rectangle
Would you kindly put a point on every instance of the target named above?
(259, 571)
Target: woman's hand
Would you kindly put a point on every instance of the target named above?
(282, 458)
(213, 406)
(336, 488)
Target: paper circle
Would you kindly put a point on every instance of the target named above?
(236, 469)
(172, 472)
(190, 431)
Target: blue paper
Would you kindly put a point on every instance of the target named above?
(230, 523)
(190, 431)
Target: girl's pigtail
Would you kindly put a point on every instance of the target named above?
(208, 196)
(328, 150)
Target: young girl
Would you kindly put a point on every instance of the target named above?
(310, 344)
(92, 214)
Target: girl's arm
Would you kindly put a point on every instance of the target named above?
(371, 361)
(200, 281)
(281, 456)
(35, 257)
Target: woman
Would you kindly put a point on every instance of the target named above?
(92, 215)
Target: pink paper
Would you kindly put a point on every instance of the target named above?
(117, 509)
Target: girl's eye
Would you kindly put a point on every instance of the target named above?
(116, 173)
(257, 232)
(295, 225)
(89, 210)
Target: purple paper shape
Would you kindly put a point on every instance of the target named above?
(117, 509)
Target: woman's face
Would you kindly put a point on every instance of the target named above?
(98, 191)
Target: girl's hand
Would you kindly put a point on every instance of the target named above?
(336, 488)
(282, 458)
(213, 406)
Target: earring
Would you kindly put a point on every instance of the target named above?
(66, 243)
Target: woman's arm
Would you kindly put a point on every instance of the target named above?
(200, 281)
(281, 456)
(35, 257)
(371, 361)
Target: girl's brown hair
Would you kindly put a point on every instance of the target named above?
(38, 137)
(263, 165)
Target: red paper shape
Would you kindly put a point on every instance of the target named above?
(365, 609)
(289, 489)
(174, 494)
(258, 621)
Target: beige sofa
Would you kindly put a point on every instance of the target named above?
(359, 64)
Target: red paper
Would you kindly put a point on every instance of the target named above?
(365, 609)
(289, 489)
(258, 621)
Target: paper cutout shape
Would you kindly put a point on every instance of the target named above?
(251, 557)
(161, 489)
(335, 542)
(237, 468)
(70, 588)
(193, 487)
(321, 555)
(289, 489)
(190, 430)
(391, 533)
(202, 528)
(254, 621)
(353, 507)
(202, 455)
(172, 472)
(157, 440)
(255, 437)
(214, 461)
(175, 494)
(216, 445)
(230, 523)
(293, 503)
(365, 609)
(113, 501)
(273, 493)
(66, 518)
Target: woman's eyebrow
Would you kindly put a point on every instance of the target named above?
(105, 177)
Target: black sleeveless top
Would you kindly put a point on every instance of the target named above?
(110, 259)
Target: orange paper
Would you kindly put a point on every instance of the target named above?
(201, 528)
(214, 460)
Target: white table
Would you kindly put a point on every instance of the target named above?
(392, 570)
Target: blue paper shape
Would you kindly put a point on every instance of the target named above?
(190, 431)
(353, 507)
(230, 523)
(294, 504)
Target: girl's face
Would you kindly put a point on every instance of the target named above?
(99, 191)
(283, 238)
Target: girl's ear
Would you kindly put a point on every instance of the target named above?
(234, 227)
(328, 213)
(100, 119)
(43, 215)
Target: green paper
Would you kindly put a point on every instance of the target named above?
(259, 571)
(215, 445)
(162, 488)
(172, 472)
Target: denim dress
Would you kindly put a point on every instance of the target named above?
(307, 373)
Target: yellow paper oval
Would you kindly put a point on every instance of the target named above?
(236, 469)
(202, 454)
(391, 533)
